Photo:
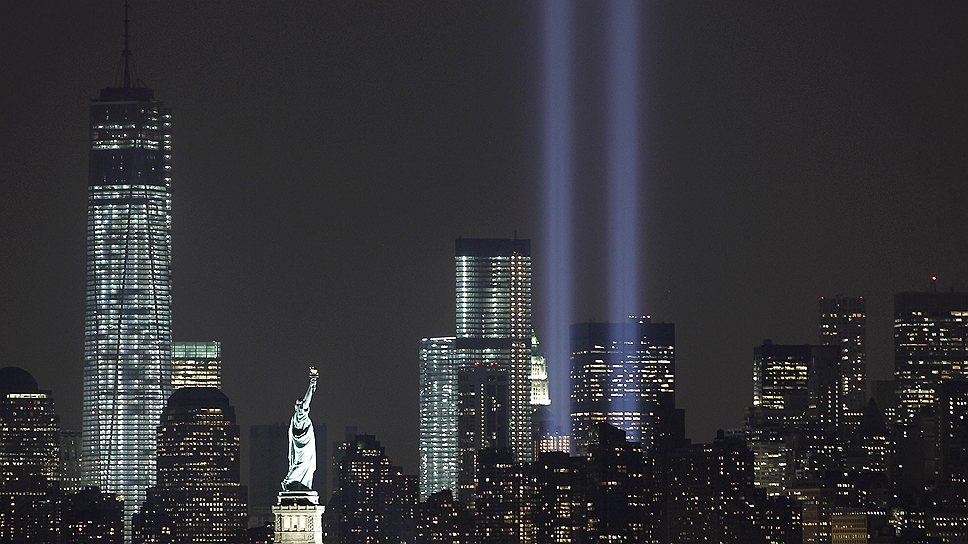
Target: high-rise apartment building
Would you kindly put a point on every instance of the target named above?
(127, 320)
(622, 374)
(196, 364)
(930, 345)
(493, 323)
(198, 487)
(29, 459)
(438, 416)
(843, 324)
(502, 506)
(373, 501)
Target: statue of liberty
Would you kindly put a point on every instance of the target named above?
(302, 442)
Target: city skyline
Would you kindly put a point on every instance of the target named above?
(284, 304)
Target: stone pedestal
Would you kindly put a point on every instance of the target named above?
(298, 518)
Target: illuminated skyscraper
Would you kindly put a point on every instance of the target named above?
(127, 322)
(622, 374)
(930, 345)
(493, 322)
(29, 459)
(198, 488)
(438, 416)
(843, 324)
(781, 380)
(196, 364)
(795, 388)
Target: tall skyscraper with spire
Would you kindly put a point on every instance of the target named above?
(127, 321)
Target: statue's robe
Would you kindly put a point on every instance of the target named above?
(302, 453)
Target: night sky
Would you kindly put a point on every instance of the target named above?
(327, 155)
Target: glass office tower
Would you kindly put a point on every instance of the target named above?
(493, 322)
(623, 374)
(127, 328)
(438, 416)
(930, 346)
(196, 364)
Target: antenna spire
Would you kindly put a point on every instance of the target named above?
(127, 52)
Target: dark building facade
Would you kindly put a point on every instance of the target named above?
(92, 517)
(267, 467)
(439, 519)
(482, 420)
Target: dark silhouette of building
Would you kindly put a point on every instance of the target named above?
(711, 497)
(438, 520)
(502, 506)
(373, 502)
(483, 401)
(559, 498)
(29, 459)
(71, 477)
(268, 465)
(620, 506)
(90, 516)
(198, 493)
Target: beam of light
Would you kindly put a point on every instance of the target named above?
(623, 158)
(557, 183)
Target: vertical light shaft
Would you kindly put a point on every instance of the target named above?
(623, 158)
(557, 177)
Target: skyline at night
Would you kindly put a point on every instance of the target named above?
(327, 156)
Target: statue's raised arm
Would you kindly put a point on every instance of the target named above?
(302, 442)
(313, 376)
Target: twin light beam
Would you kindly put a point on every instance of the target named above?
(622, 171)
